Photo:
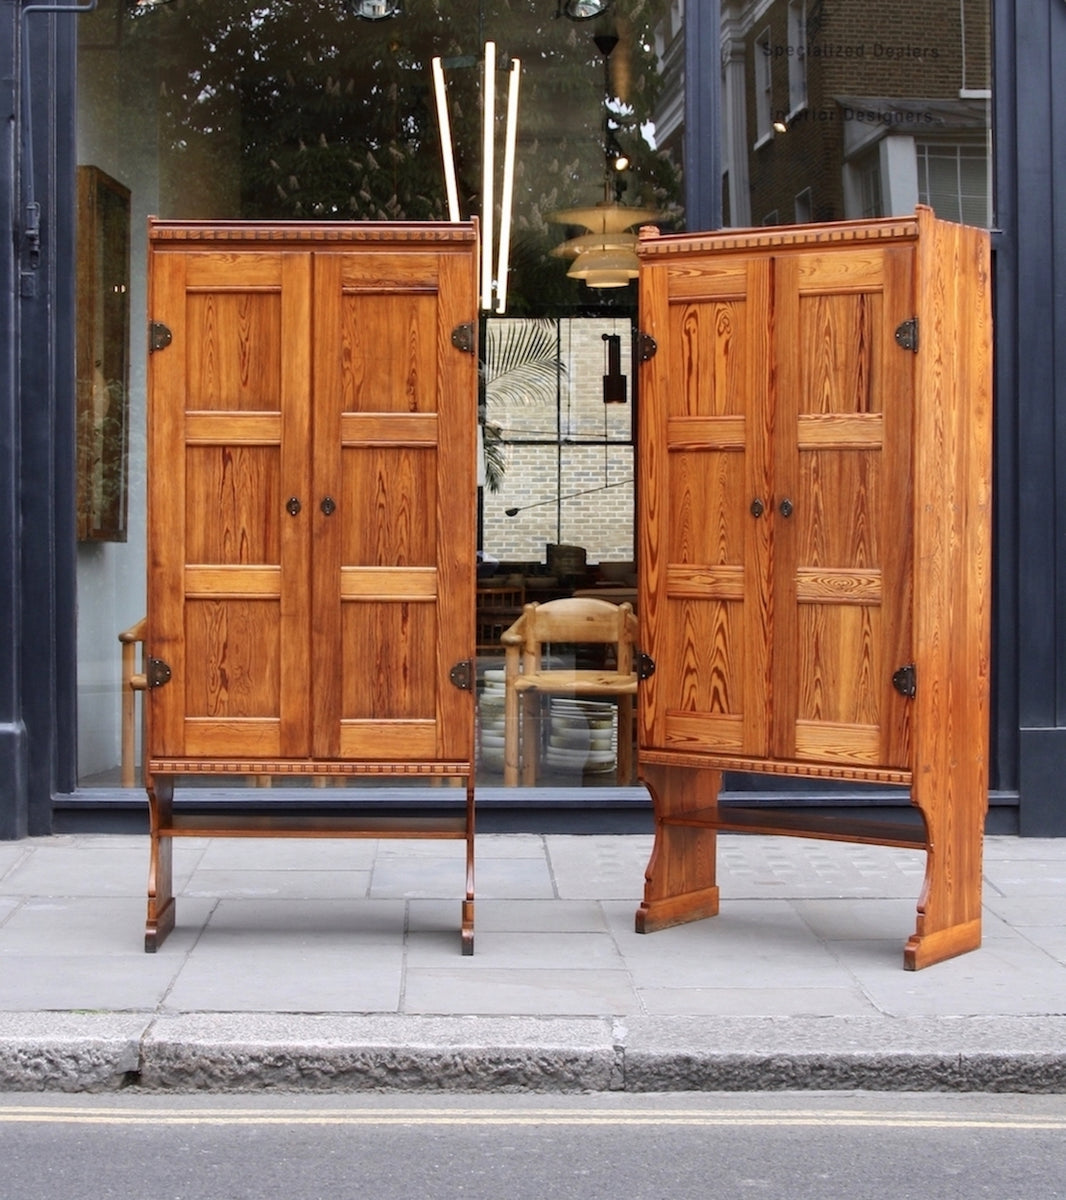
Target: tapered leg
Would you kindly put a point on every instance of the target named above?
(160, 871)
(467, 926)
(680, 882)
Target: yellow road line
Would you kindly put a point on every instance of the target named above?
(45, 1114)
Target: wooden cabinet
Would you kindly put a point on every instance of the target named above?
(311, 508)
(814, 519)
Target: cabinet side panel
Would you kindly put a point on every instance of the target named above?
(953, 550)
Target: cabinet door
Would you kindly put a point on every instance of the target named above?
(776, 504)
(395, 420)
(842, 510)
(704, 459)
(228, 445)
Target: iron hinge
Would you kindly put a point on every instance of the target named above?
(905, 681)
(645, 665)
(462, 675)
(159, 336)
(463, 338)
(157, 672)
(646, 346)
(907, 334)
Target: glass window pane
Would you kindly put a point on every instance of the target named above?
(874, 87)
(294, 109)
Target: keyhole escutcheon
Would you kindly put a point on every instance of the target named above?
(757, 508)
(785, 507)
(293, 506)
(328, 506)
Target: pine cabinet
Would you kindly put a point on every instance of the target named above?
(814, 517)
(311, 446)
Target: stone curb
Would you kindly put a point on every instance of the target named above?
(345, 1053)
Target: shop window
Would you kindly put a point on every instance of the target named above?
(953, 181)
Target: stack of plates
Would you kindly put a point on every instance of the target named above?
(490, 720)
(582, 735)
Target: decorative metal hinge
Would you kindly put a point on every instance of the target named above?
(158, 672)
(463, 338)
(905, 681)
(907, 334)
(645, 665)
(462, 675)
(159, 336)
(646, 346)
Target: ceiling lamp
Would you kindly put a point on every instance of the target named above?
(605, 257)
(582, 10)
(376, 10)
(594, 241)
(605, 217)
(605, 267)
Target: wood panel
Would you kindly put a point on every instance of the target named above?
(842, 562)
(298, 373)
(228, 443)
(394, 442)
(704, 555)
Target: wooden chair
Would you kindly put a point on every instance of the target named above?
(498, 605)
(134, 680)
(577, 622)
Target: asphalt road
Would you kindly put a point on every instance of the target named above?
(658, 1147)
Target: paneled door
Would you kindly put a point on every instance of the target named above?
(312, 493)
(776, 554)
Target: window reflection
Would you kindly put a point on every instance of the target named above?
(835, 109)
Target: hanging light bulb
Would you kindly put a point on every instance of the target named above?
(583, 10)
(616, 156)
(376, 10)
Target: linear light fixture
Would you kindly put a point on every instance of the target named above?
(447, 153)
(489, 287)
(507, 200)
(488, 168)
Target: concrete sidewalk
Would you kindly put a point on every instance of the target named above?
(336, 965)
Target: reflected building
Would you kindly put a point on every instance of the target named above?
(834, 110)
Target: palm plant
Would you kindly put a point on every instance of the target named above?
(521, 365)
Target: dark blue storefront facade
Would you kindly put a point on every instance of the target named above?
(38, 600)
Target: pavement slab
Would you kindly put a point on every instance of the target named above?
(336, 965)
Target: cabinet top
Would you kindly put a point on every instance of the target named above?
(653, 244)
(315, 233)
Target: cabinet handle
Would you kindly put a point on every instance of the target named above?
(785, 508)
(328, 506)
(293, 506)
(757, 508)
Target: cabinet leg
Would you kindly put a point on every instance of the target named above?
(680, 881)
(161, 870)
(949, 909)
(467, 920)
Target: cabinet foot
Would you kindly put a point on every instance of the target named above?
(680, 883)
(158, 926)
(676, 910)
(924, 949)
